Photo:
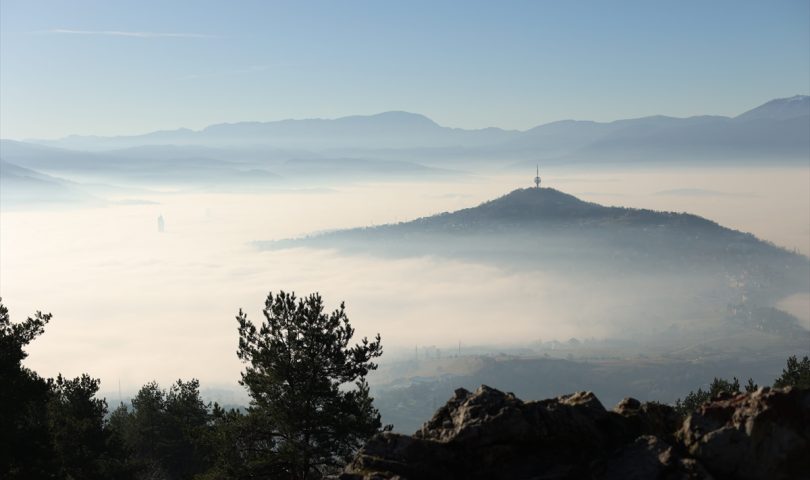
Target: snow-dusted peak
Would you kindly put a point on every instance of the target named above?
(780, 109)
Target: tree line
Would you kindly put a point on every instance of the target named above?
(310, 408)
(795, 374)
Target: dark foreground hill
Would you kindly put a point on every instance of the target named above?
(489, 434)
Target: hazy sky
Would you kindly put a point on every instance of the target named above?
(101, 67)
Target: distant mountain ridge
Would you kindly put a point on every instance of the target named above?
(779, 109)
(779, 128)
(205, 167)
(407, 146)
(393, 129)
(22, 186)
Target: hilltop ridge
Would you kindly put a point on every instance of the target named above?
(646, 255)
(528, 205)
(544, 211)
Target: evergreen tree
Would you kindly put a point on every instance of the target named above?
(229, 441)
(187, 443)
(719, 387)
(84, 447)
(51, 428)
(304, 420)
(26, 450)
(796, 373)
(168, 433)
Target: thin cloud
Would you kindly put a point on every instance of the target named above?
(123, 33)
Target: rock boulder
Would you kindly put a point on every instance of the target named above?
(489, 434)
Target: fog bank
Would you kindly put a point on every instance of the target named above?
(133, 304)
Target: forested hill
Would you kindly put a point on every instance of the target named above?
(551, 230)
(535, 218)
(534, 208)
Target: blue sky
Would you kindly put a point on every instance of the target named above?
(122, 67)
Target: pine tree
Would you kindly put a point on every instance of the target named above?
(796, 373)
(305, 420)
(26, 450)
(168, 432)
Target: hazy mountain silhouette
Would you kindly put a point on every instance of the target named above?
(548, 229)
(383, 130)
(22, 186)
(48, 158)
(546, 211)
(778, 130)
(182, 170)
(672, 280)
(356, 168)
(779, 109)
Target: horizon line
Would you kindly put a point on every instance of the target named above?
(301, 119)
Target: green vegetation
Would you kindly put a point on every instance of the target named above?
(795, 374)
(25, 445)
(50, 428)
(304, 420)
(310, 407)
(167, 434)
(304, 424)
(718, 388)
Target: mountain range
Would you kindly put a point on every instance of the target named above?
(397, 146)
(778, 129)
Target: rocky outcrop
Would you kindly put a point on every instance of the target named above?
(649, 457)
(489, 434)
(764, 434)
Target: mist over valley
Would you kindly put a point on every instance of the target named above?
(386, 240)
(612, 277)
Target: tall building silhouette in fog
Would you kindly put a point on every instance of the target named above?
(161, 224)
(537, 178)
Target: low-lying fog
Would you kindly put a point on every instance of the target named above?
(133, 304)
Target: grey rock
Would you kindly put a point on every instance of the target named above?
(649, 458)
(761, 435)
(489, 434)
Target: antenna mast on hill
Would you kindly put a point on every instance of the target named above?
(537, 178)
